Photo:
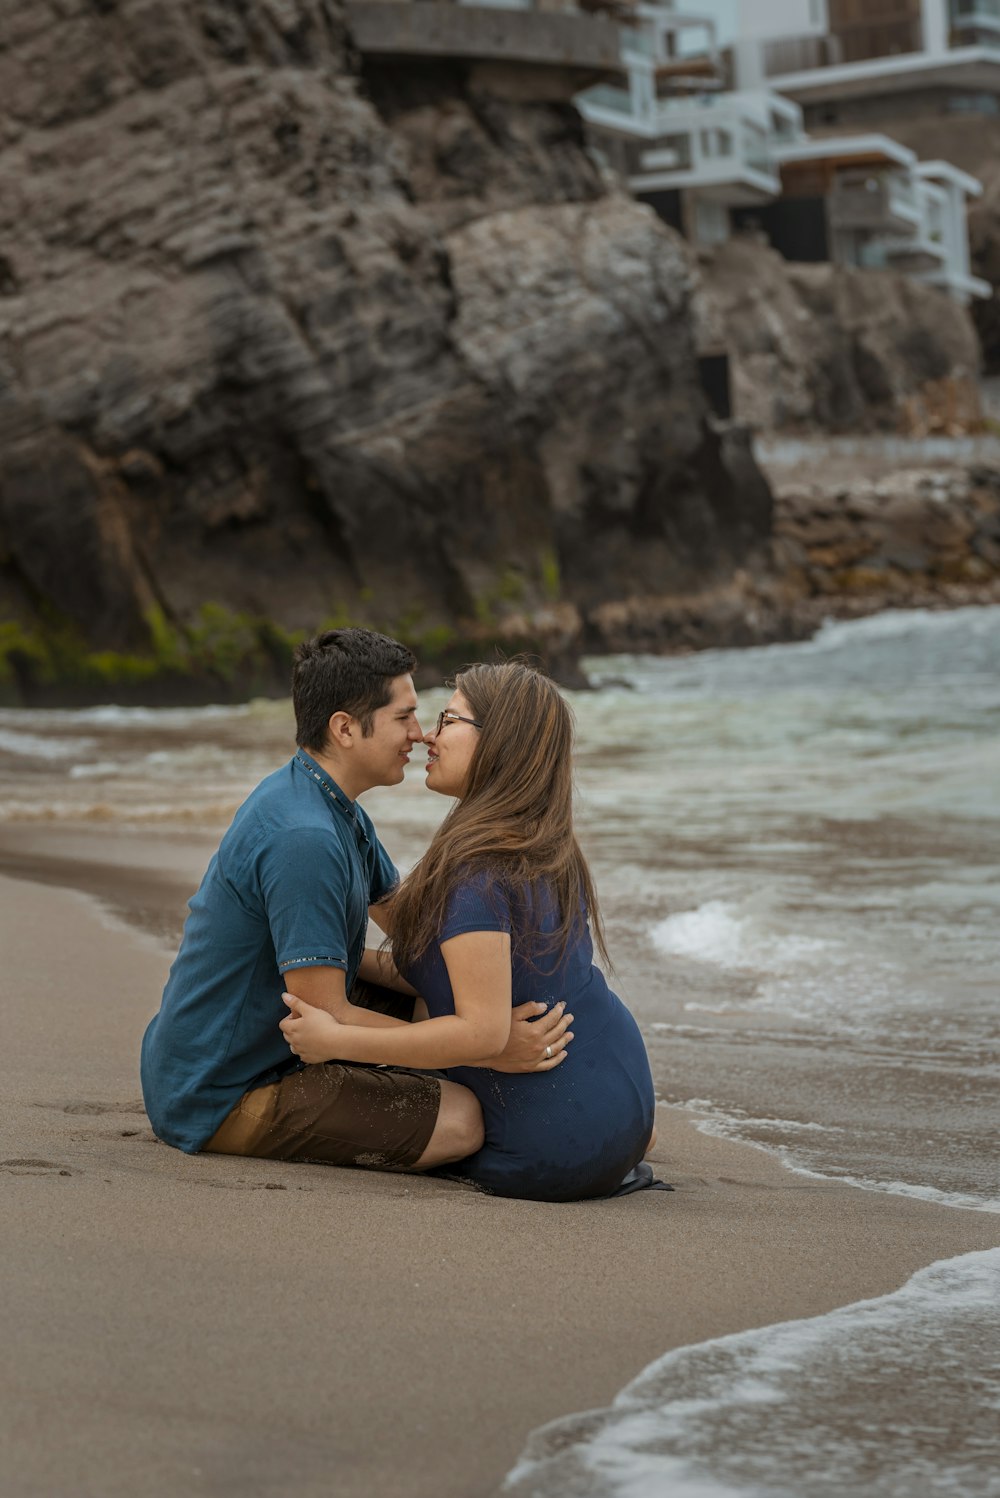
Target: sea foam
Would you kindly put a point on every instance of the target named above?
(35, 746)
(889, 1398)
(736, 1124)
(715, 933)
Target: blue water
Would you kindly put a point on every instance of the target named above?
(798, 852)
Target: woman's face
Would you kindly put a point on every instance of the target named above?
(449, 753)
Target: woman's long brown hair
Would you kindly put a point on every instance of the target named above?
(515, 822)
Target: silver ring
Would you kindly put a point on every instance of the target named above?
(548, 1053)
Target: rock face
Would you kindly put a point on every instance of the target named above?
(914, 538)
(281, 344)
(826, 346)
(972, 142)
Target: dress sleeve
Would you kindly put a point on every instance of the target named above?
(477, 903)
(304, 880)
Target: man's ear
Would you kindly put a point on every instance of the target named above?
(340, 731)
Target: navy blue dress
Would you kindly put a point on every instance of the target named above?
(572, 1132)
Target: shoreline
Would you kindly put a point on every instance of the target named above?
(198, 1323)
(747, 613)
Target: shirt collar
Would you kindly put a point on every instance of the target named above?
(327, 784)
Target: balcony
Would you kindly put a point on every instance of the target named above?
(915, 256)
(722, 144)
(671, 41)
(798, 54)
(926, 249)
(874, 202)
(975, 22)
(672, 153)
(524, 34)
(976, 13)
(609, 106)
(719, 150)
(861, 41)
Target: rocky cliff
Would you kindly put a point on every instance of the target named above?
(831, 348)
(908, 538)
(285, 341)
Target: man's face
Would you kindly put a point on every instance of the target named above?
(395, 730)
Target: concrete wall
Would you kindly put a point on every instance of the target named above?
(782, 18)
(399, 28)
(880, 109)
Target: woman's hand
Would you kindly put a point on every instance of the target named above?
(535, 1044)
(311, 1033)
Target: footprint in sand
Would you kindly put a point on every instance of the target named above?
(84, 1136)
(93, 1109)
(238, 1185)
(34, 1168)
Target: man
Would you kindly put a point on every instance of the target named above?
(285, 904)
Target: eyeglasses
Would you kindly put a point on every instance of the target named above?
(447, 717)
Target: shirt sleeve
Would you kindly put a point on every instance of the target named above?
(304, 880)
(477, 903)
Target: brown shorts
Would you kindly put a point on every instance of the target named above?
(338, 1113)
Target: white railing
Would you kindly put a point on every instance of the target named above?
(714, 136)
(671, 153)
(975, 12)
(921, 246)
(757, 149)
(903, 195)
(866, 199)
(605, 96)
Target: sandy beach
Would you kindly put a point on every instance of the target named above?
(210, 1326)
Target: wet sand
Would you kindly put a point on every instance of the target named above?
(205, 1325)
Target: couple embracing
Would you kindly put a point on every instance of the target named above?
(451, 1048)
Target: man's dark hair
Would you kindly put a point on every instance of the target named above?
(344, 671)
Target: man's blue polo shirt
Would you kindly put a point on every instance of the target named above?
(289, 887)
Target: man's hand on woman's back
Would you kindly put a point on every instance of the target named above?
(534, 1029)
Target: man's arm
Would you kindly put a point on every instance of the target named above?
(478, 964)
(326, 988)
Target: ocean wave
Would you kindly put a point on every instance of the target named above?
(151, 813)
(833, 634)
(109, 715)
(851, 1402)
(895, 624)
(735, 1124)
(99, 769)
(737, 1117)
(916, 650)
(715, 933)
(39, 746)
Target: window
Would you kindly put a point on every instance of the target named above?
(973, 104)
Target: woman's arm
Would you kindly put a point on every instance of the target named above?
(381, 913)
(478, 964)
(378, 967)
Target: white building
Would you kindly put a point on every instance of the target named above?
(677, 135)
(711, 158)
(854, 61)
(881, 208)
(718, 151)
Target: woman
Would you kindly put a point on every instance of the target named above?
(498, 913)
